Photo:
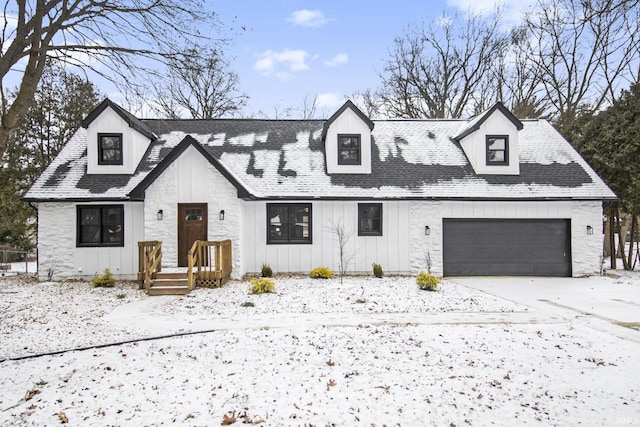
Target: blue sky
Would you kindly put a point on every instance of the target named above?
(290, 48)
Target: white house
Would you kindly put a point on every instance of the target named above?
(490, 196)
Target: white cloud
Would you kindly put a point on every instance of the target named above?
(511, 9)
(339, 59)
(307, 18)
(330, 101)
(281, 64)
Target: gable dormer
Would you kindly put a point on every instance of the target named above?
(347, 141)
(116, 140)
(490, 142)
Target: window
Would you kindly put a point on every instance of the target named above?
(193, 215)
(348, 149)
(497, 150)
(109, 148)
(100, 226)
(288, 223)
(369, 219)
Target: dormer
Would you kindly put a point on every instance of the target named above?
(347, 141)
(490, 142)
(116, 140)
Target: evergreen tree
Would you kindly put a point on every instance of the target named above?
(61, 102)
(610, 142)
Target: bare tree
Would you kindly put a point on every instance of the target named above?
(369, 102)
(200, 83)
(518, 83)
(345, 255)
(309, 107)
(435, 70)
(114, 38)
(586, 50)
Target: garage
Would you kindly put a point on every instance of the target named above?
(511, 247)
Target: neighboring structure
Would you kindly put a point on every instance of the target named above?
(491, 196)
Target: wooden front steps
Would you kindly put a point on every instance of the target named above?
(169, 284)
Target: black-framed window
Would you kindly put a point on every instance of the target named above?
(109, 148)
(497, 149)
(289, 223)
(100, 225)
(348, 149)
(369, 219)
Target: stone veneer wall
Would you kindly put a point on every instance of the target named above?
(56, 239)
(586, 250)
(192, 179)
(423, 249)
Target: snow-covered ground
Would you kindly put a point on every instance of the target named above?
(317, 352)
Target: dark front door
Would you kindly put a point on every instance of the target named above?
(192, 226)
(511, 247)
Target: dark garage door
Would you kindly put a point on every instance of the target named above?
(486, 247)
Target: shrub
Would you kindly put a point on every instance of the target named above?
(427, 282)
(377, 270)
(266, 271)
(261, 286)
(321, 273)
(104, 281)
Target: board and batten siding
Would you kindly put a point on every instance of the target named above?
(586, 250)
(192, 179)
(57, 236)
(391, 250)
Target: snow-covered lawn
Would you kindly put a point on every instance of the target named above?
(364, 352)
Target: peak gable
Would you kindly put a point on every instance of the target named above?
(116, 139)
(347, 141)
(491, 141)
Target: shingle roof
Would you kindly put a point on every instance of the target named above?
(417, 159)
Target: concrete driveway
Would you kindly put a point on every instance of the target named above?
(610, 303)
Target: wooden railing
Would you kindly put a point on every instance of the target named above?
(209, 263)
(149, 261)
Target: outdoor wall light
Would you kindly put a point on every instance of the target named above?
(221, 215)
(589, 230)
(160, 215)
(427, 230)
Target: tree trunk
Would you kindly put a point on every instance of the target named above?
(612, 238)
(632, 239)
(620, 240)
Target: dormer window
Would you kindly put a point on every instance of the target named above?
(349, 150)
(109, 148)
(498, 150)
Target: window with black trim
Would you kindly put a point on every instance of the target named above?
(369, 219)
(348, 149)
(109, 148)
(288, 223)
(100, 225)
(497, 149)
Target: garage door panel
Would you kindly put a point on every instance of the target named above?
(486, 247)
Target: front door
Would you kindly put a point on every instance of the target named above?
(192, 226)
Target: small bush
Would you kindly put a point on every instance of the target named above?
(104, 281)
(247, 304)
(261, 286)
(377, 270)
(321, 273)
(427, 282)
(266, 271)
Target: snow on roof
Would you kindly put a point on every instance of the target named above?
(417, 159)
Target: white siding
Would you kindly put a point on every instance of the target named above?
(57, 228)
(192, 179)
(474, 146)
(134, 144)
(391, 250)
(348, 123)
